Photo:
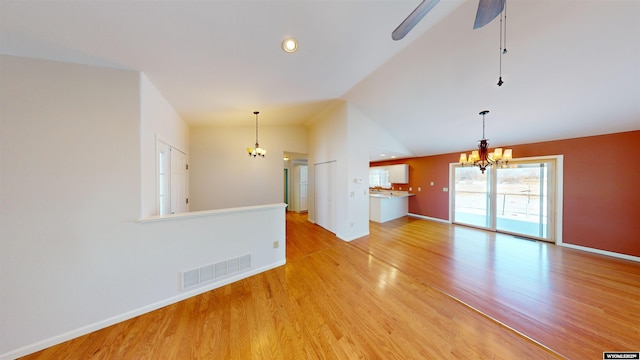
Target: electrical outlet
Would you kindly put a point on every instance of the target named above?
(276, 244)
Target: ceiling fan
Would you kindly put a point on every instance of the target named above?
(487, 11)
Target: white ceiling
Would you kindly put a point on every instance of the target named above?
(572, 67)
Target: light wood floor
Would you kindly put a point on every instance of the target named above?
(413, 289)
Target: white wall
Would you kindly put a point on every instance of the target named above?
(338, 134)
(380, 140)
(342, 133)
(70, 195)
(222, 175)
(358, 131)
(328, 142)
(73, 257)
(158, 120)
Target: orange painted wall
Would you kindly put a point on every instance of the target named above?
(601, 188)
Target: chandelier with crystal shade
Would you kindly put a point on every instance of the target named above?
(482, 158)
(256, 151)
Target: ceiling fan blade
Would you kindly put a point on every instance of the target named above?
(487, 11)
(416, 15)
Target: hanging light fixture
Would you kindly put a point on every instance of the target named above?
(257, 151)
(482, 158)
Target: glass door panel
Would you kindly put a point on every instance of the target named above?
(472, 203)
(522, 199)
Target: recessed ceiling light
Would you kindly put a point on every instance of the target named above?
(290, 45)
(383, 155)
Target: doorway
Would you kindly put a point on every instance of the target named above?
(324, 200)
(286, 188)
(172, 179)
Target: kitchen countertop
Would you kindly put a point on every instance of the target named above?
(387, 196)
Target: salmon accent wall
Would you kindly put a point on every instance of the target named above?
(601, 188)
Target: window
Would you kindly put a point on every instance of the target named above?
(379, 177)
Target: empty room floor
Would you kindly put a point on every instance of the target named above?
(412, 289)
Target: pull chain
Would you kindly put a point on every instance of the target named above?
(503, 39)
(504, 51)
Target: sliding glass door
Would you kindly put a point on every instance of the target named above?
(517, 199)
(523, 200)
(472, 200)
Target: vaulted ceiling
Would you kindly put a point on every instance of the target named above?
(572, 67)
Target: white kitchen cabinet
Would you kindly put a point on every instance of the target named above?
(398, 174)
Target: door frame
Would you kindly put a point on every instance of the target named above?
(161, 143)
(555, 209)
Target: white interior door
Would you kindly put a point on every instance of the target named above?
(164, 177)
(172, 179)
(179, 181)
(325, 204)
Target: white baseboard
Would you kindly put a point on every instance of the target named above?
(351, 238)
(560, 243)
(601, 252)
(58, 339)
(429, 218)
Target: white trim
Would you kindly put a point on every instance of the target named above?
(429, 218)
(452, 181)
(204, 213)
(602, 252)
(354, 237)
(58, 339)
(559, 197)
(157, 169)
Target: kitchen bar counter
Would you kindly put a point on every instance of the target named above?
(386, 196)
(387, 206)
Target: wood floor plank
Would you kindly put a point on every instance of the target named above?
(577, 303)
(413, 289)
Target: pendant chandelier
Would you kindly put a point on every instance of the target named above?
(257, 151)
(482, 158)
